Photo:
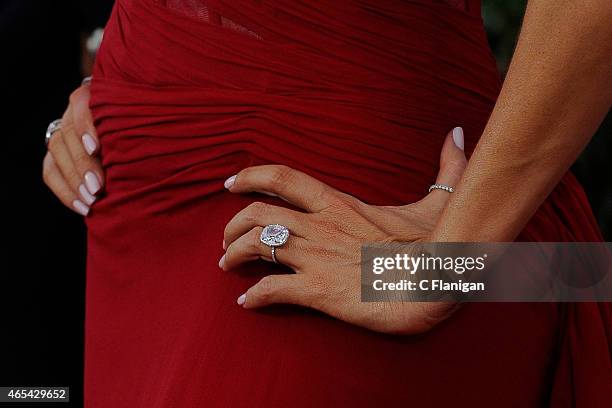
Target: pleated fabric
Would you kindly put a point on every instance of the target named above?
(359, 94)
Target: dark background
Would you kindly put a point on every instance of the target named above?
(42, 277)
(43, 250)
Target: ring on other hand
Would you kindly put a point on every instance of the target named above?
(274, 235)
(51, 129)
(444, 187)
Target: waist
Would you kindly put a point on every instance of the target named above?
(183, 105)
(164, 139)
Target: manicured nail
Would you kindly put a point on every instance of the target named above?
(229, 182)
(222, 262)
(80, 207)
(224, 245)
(89, 143)
(92, 182)
(241, 299)
(86, 195)
(458, 137)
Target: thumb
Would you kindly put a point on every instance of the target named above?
(452, 160)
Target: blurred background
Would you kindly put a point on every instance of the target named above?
(43, 57)
(47, 47)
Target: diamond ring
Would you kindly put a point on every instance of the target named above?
(444, 187)
(51, 129)
(274, 235)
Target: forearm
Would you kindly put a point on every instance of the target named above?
(557, 91)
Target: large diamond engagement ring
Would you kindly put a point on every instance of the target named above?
(274, 235)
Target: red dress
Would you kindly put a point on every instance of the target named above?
(357, 93)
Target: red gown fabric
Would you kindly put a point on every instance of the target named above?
(357, 93)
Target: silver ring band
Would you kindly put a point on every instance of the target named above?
(444, 187)
(51, 129)
(274, 254)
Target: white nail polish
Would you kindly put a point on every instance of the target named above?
(241, 300)
(458, 137)
(92, 182)
(222, 262)
(80, 207)
(89, 143)
(86, 195)
(229, 182)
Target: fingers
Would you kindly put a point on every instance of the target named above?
(72, 155)
(452, 161)
(293, 289)
(83, 120)
(79, 170)
(87, 168)
(55, 180)
(261, 214)
(291, 185)
(248, 247)
(63, 160)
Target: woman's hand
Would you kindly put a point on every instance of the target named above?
(324, 248)
(71, 167)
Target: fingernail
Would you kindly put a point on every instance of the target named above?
(80, 207)
(241, 299)
(89, 199)
(458, 137)
(224, 245)
(92, 182)
(89, 143)
(222, 262)
(229, 182)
